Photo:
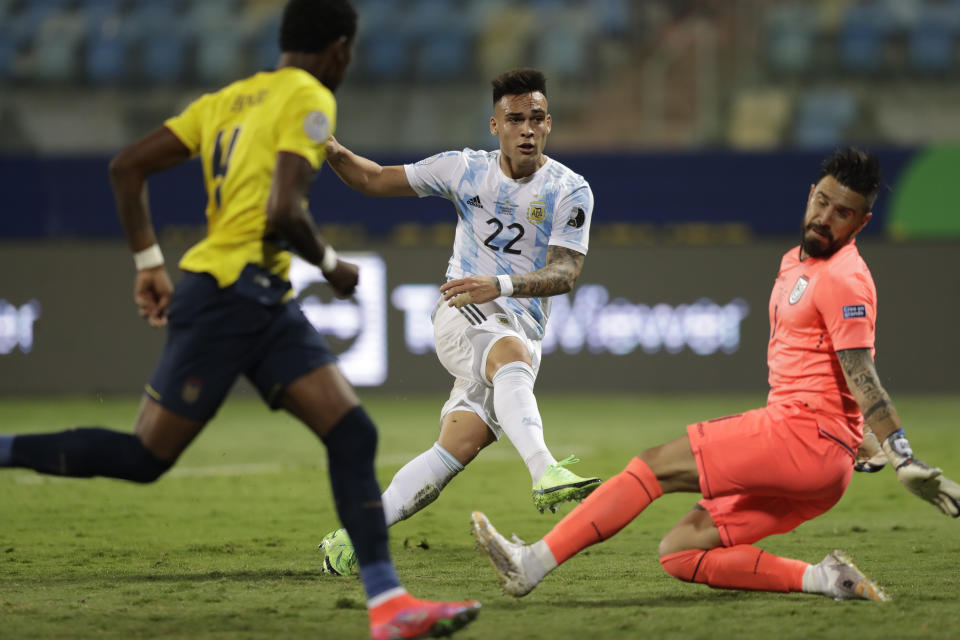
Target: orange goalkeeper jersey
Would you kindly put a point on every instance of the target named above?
(820, 306)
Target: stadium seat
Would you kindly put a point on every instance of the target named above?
(6, 9)
(211, 15)
(823, 118)
(108, 50)
(863, 37)
(504, 35)
(163, 56)
(561, 47)
(444, 40)
(758, 118)
(10, 43)
(164, 40)
(36, 12)
(266, 45)
(56, 45)
(385, 43)
(447, 55)
(98, 10)
(219, 56)
(791, 31)
(613, 17)
(932, 44)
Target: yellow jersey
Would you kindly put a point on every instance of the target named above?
(238, 131)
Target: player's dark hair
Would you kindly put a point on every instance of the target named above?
(310, 25)
(855, 169)
(517, 82)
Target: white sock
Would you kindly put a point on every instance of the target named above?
(815, 579)
(519, 417)
(418, 483)
(540, 561)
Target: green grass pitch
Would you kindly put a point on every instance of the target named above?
(225, 545)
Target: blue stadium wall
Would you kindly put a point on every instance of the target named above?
(70, 196)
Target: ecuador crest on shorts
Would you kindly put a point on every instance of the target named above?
(798, 289)
(191, 390)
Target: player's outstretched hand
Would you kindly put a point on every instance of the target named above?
(921, 479)
(344, 278)
(473, 290)
(930, 484)
(152, 291)
(870, 455)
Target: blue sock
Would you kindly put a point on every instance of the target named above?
(6, 447)
(85, 452)
(378, 578)
(351, 447)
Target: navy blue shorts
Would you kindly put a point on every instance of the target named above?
(215, 334)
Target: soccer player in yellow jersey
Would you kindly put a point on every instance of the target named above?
(261, 140)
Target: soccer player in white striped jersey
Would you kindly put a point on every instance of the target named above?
(522, 234)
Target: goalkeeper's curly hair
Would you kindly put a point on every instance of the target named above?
(855, 169)
(310, 25)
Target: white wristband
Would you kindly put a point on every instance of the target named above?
(329, 261)
(506, 285)
(148, 258)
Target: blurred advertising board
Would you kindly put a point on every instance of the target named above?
(641, 319)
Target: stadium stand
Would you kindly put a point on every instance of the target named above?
(743, 73)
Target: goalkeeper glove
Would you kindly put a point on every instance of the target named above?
(920, 479)
(870, 455)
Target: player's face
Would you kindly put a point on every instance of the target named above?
(835, 214)
(522, 124)
(341, 52)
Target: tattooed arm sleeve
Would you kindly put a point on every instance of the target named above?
(560, 274)
(864, 383)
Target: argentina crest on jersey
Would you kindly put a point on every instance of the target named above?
(537, 212)
(798, 289)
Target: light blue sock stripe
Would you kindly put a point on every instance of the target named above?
(6, 450)
(447, 458)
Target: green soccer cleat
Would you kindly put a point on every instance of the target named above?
(339, 558)
(557, 485)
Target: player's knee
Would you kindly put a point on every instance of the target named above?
(516, 373)
(682, 565)
(145, 466)
(354, 437)
(670, 545)
(508, 354)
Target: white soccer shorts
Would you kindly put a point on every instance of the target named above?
(463, 339)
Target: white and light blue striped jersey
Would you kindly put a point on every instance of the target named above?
(505, 226)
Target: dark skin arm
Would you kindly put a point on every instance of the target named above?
(861, 374)
(558, 276)
(287, 216)
(129, 169)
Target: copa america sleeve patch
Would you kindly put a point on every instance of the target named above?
(854, 311)
(317, 126)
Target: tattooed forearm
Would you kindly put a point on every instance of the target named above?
(861, 377)
(560, 274)
(863, 381)
(880, 408)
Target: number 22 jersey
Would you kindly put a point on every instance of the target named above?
(504, 226)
